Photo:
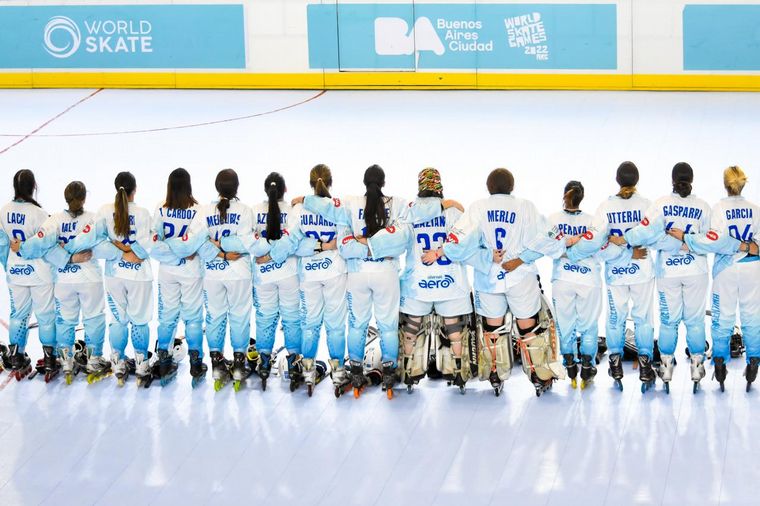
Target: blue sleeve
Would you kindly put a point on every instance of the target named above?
(164, 254)
(5, 247)
(295, 243)
(614, 254)
(421, 210)
(529, 256)
(106, 251)
(590, 243)
(481, 260)
(712, 242)
(331, 209)
(37, 247)
(349, 247)
(195, 243)
(57, 256)
(390, 241)
(88, 238)
(646, 234)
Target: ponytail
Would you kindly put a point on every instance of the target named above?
(75, 195)
(734, 180)
(627, 177)
(125, 187)
(374, 210)
(25, 186)
(574, 193)
(274, 185)
(682, 176)
(227, 186)
(320, 178)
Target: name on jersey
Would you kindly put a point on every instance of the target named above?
(500, 216)
(68, 226)
(568, 229)
(214, 220)
(682, 212)
(387, 213)
(16, 218)
(439, 222)
(739, 214)
(315, 220)
(180, 214)
(261, 218)
(624, 217)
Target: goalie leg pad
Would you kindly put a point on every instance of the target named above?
(539, 352)
(495, 351)
(414, 333)
(445, 353)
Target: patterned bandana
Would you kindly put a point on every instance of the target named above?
(430, 179)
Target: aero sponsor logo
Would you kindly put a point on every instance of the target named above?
(391, 37)
(66, 33)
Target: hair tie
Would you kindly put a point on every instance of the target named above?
(319, 179)
(272, 183)
(121, 188)
(223, 198)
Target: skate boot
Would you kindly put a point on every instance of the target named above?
(616, 370)
(646, 373)
(252, 355)
(265, 368)
(80, 356)
(750, 373)
(720, 372)
(120, 368)
(167, 368)
(197, 368)
(665, 371)
(67, 364)
(340, 379)
(309, 374)
(143, 372)
(389, 378)
(240, 370)
(21, 364)
(572, 369)
(5, 359)
(588, 370)
(358, 379)
(458, 380)
(97, 369)
(50, 362)
(220, 370)
(295, 371)
(697, 370)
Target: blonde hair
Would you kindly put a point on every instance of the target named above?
(734, 180)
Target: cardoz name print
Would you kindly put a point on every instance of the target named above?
(456, 36)
(122, 36)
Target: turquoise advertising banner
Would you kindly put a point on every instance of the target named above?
(721, 37)
(122, 36)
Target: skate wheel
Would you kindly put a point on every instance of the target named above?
(667, 387)
(264, 385)
(120, 382)
(409, 389)
(619, 385)
(574, 383)
(749, 386)
(496, 392)
(197, 381)
(462, 390)
(695, 388)
(69, 379)
(218, 384)
(293, 386)
(584, 384)
(538, 392)
(236, 385)
(357, 392)
(310, 390)
(389, 393)
(722, 387)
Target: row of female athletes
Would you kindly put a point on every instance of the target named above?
(323, 260)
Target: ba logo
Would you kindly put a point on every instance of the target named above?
(581, 269)
(712, 235)
(679, 260)
(66, 34)
(622, 271)
(316, 266)
(21, 270)
(271, 266)
(444, 282)
(393, 37)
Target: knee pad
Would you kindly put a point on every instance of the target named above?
(414, 366)
(495, 353)
(539, 354)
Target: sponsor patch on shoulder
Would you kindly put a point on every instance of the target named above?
(336, 202)
(645, 221)
(347, 239)
(712, 235)
(589, 235)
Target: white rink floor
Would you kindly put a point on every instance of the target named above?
(102, 445)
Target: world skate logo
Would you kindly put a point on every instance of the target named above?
(21, 270)
(581, 269)
(272, 266)
(443, 282)
(680, 260)
(67, 35)
(217, 266)
(316, 266)
(622, 271)
(70, 269)
(393, 37)
(129, 265)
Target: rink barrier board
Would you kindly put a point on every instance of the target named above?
(382, 80)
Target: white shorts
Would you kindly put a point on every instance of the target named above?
(523, 300)
(445, 308)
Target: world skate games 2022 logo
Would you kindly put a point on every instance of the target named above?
(122, 36)
(455, 36)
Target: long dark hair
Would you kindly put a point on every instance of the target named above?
(374, 210)
(274, 185)
(573, 196)
(683, 176)
(227, 186)
(320, 178)
(75, 194)
(179, 190)
(126, 185)
(25, 186)
(627, 177)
